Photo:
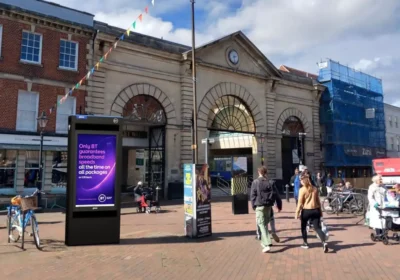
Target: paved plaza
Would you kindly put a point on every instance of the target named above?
(152, 247)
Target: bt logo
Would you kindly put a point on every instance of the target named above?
(102, 198)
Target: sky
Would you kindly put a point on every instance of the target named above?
(363, 34)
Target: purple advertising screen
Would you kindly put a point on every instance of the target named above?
(95, 171)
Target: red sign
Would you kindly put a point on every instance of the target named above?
(387, 166)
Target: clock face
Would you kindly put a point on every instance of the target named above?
(233, 57)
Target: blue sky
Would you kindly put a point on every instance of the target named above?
(364, 34)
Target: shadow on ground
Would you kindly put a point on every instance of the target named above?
(183, 239)
(334, 246)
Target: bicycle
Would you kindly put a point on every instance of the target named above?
(20, 214)
(343, 202)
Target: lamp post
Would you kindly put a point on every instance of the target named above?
(261, 140)
(42, 121)
(194, 140)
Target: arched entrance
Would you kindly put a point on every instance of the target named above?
(292, 146)
(232, 117)
(293, 127)
(146, 111)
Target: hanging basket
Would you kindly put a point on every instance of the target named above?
(29, 203)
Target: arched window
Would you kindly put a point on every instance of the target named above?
(231, 114)
(144, 108)
(292, 127)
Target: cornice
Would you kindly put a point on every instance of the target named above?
(46, 22)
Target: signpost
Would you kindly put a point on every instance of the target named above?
(197, 200)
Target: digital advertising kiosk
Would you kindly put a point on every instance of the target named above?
(94, 185)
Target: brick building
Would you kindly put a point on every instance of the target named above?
(44, 50)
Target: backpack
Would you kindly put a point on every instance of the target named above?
(268, 197)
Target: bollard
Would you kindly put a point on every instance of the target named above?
(287, 192)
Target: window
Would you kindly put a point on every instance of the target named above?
(27, 111)
(7, 168)
(59, 171)
(398, 145)
(390, 120)
(1, 37)
(395, 122)
(31, 169)
(68, 55)
(63, 112)
(392, 146)
(31, 48)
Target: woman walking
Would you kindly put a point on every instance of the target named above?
(310, 207)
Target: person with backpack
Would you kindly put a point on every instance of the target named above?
(278, 203)
(263, 196)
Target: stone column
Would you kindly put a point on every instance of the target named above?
(270, 142)
(317, 137)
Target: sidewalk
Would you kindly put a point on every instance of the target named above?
(152, 247)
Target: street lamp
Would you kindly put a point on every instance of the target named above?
(42, 121)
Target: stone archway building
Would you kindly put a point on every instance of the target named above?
(142, 65)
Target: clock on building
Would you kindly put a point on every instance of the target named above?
(233, 57)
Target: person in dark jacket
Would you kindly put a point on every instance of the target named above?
(278, 203)
(263, 197)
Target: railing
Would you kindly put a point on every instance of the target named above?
(224, 186)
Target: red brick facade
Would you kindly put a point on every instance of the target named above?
(48, 71)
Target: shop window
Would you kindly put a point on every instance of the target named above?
(31, 169)
(7, 168)
(59, 169)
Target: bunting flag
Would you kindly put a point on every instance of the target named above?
(97, 65)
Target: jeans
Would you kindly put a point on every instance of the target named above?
(263, 216)
(314, 216)
(271, 223)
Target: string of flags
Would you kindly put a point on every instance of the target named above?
(96, 66)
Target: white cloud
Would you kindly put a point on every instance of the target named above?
(361, 33)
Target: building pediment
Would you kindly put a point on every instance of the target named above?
(235, 52)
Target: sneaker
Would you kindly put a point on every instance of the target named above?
(266, 249)
(304, 246)
(276, 238)
(325, 246)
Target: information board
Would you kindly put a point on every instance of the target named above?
(96, 163)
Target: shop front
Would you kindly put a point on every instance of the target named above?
(19, 163)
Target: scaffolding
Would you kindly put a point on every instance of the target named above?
(351, 116)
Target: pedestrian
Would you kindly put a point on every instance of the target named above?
(376, 197)
(263, 197)
(297, 183)
(278, 203)
(309, 209)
